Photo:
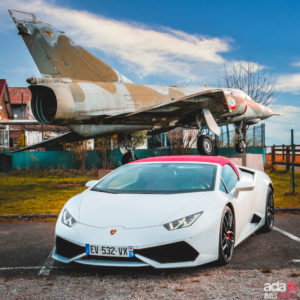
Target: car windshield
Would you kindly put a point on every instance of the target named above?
(159, 178)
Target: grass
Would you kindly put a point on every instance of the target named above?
(40, 192)
(281, 182)
(36, 192)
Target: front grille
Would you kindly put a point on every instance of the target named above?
(67, 249)
(171, 253)
(111, 258)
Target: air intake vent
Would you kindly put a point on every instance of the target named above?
(171, 253)
(43, 103)
(255, 219)
(67, 249)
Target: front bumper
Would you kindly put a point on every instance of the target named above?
(180, 252)
(153, 246)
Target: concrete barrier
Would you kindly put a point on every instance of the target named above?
(249, 160)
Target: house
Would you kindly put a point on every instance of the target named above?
(5, 113)
(15, 104)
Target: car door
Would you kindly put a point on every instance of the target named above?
(241, 200)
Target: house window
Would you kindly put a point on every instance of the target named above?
(4, 140)
(19, 111)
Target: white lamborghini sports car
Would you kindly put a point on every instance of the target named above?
(165, 212)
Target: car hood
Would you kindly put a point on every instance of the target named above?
(138, 210)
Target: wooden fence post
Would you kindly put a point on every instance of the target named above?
(273, 156)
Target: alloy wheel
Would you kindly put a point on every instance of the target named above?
(228, 235)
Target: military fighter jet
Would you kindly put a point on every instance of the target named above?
(83, 93)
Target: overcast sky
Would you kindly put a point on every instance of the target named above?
(173, 42)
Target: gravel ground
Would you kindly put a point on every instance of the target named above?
(216, 283)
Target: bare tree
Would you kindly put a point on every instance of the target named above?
(180, 142)
(257, 82)
(138, 138)
(104, 144)
(79, 153)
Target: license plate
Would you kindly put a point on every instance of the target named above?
(100, 250)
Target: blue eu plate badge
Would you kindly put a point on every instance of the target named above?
(130, 249)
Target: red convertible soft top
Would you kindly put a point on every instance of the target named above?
(190, 158)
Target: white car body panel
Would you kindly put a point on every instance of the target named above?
(138, 220)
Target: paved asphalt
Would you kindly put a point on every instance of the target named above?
(28, 244)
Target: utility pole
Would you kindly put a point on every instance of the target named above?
(23, 116)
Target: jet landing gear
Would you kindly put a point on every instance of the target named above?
(125, 147)
(205, 144)
(240, 145)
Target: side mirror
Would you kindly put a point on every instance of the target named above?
(91, 183)
(244, 186)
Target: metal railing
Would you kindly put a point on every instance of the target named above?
(255, 137)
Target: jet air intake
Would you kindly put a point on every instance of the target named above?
(53, 103)
(43, 103)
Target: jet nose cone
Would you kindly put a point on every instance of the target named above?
(267, 111)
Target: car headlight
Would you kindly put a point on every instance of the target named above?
(67, 219)
(184, 222)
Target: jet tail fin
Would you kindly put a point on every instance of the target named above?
(56, 54)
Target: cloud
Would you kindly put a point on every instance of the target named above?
(296, 64)
(144, 51)
(278, 128)
(246, 66)
(288, 83)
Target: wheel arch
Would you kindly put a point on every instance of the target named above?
(271, 186)
(230, 205)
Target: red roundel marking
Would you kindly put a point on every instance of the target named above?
(232, 103)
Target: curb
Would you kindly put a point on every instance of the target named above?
(50, 215)
(28, 216)
(287, 209)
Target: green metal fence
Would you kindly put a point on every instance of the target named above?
(93, 159)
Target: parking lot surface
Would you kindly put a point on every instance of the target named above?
(27, 270)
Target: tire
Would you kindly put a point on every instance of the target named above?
(126, 158)
(240, 147)
(269, 212)
(205, 145)
(227, 236)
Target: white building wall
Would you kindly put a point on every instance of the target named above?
(33, 137)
